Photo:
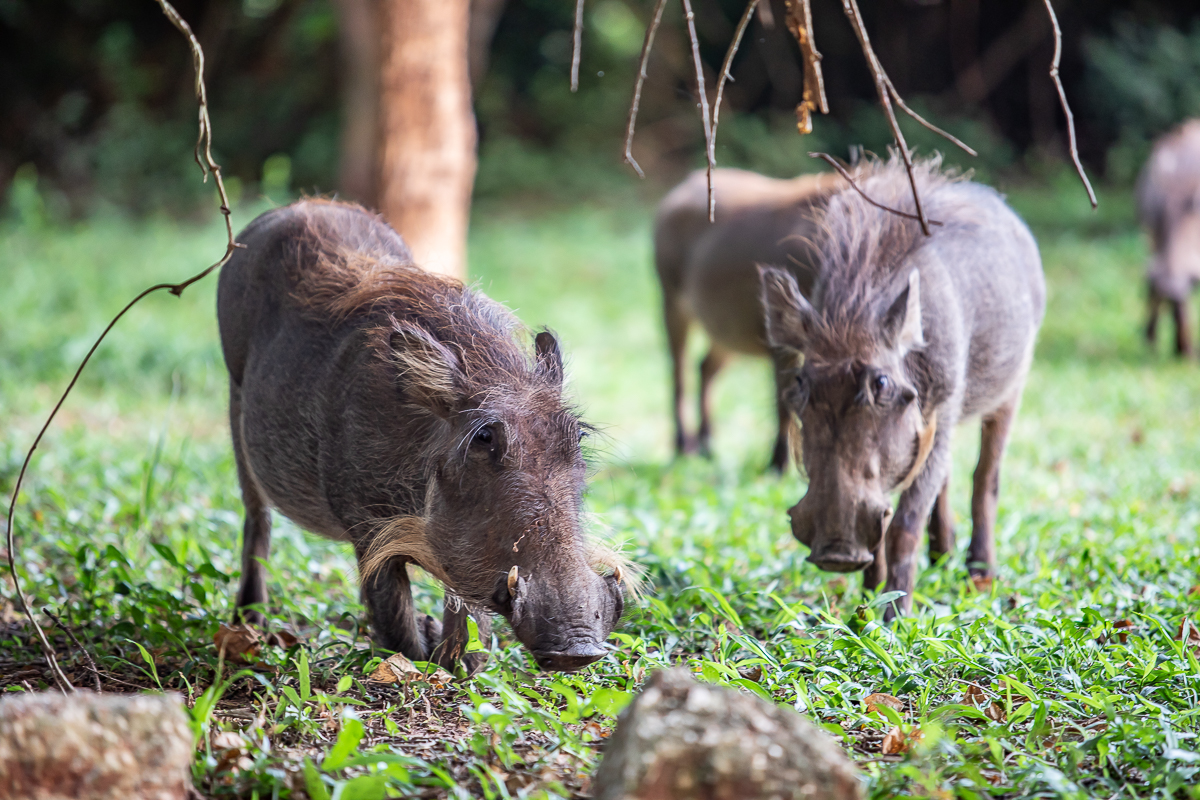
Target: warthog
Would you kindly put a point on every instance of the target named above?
(708, 273)
(377, 404)
(905, 336)
(1168, 195)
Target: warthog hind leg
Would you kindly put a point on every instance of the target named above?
(981, 558)
(941, 526)
(1154, 302)
(677, 323)
(1183, 334)
(256, 532)
(716, 359)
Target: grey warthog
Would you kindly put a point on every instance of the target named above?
(1168, 195)
(709, 274)
(397, 410)
(906, 336)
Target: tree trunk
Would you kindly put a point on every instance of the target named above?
(427, 129)
(358, 40)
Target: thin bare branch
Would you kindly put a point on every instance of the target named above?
(87, 656)
(799, 22)
(882, 83)
(647, 46)
(705, 115)
(726, 76)
(204, 158)
(1066, 107)
(203, 150)
(577, 49)
(833, 162)
(944, 134)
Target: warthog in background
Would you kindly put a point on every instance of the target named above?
(377, 404)
(709, 274)
(1168, 195)
(906, 335)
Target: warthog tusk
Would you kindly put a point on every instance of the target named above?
(887, 520)
(512, 580)
(617, 575)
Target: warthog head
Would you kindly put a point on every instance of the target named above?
(502, 525)
(862, 432)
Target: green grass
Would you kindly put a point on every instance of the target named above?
(129, 526)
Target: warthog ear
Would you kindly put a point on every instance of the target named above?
(426, 369)
(549, 356)
(789, 317)
(901, 325)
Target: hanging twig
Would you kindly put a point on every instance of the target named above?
(944, 134)
(885, 100)
(705, 115)
(203, 155)
(799, 22)
(1066, 107)
(88, 656)
(833, 162)
(716, 111)
(647, 45)
(577, 49)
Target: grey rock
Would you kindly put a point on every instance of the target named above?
(87, 746)
(680, 739)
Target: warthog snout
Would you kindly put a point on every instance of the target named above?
(576, 657)
(563, 624)
(837, 546)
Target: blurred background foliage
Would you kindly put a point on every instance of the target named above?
(96, 104)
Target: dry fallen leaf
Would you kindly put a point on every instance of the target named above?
(283, 638)
(982, 583)
(976, 696)
(1122, 627)
(1189, 634)
(240, 642)
(897, 741)
(228, 740)
(398, 669)
(874, 701)
(751, 673)
(231, 751)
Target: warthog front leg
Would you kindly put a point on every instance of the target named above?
(256, 532)
(456, 635)
(981, 558)
(941, 526)
(915, 506)
(387, 595)
(784, 376)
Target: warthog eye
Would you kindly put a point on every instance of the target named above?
(484, 436)
(881, 384)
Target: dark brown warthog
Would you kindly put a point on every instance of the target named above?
(709, 274)
(905, 337)
(381, 405)
(1168, 196)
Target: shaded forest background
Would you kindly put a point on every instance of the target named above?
(96, 105)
